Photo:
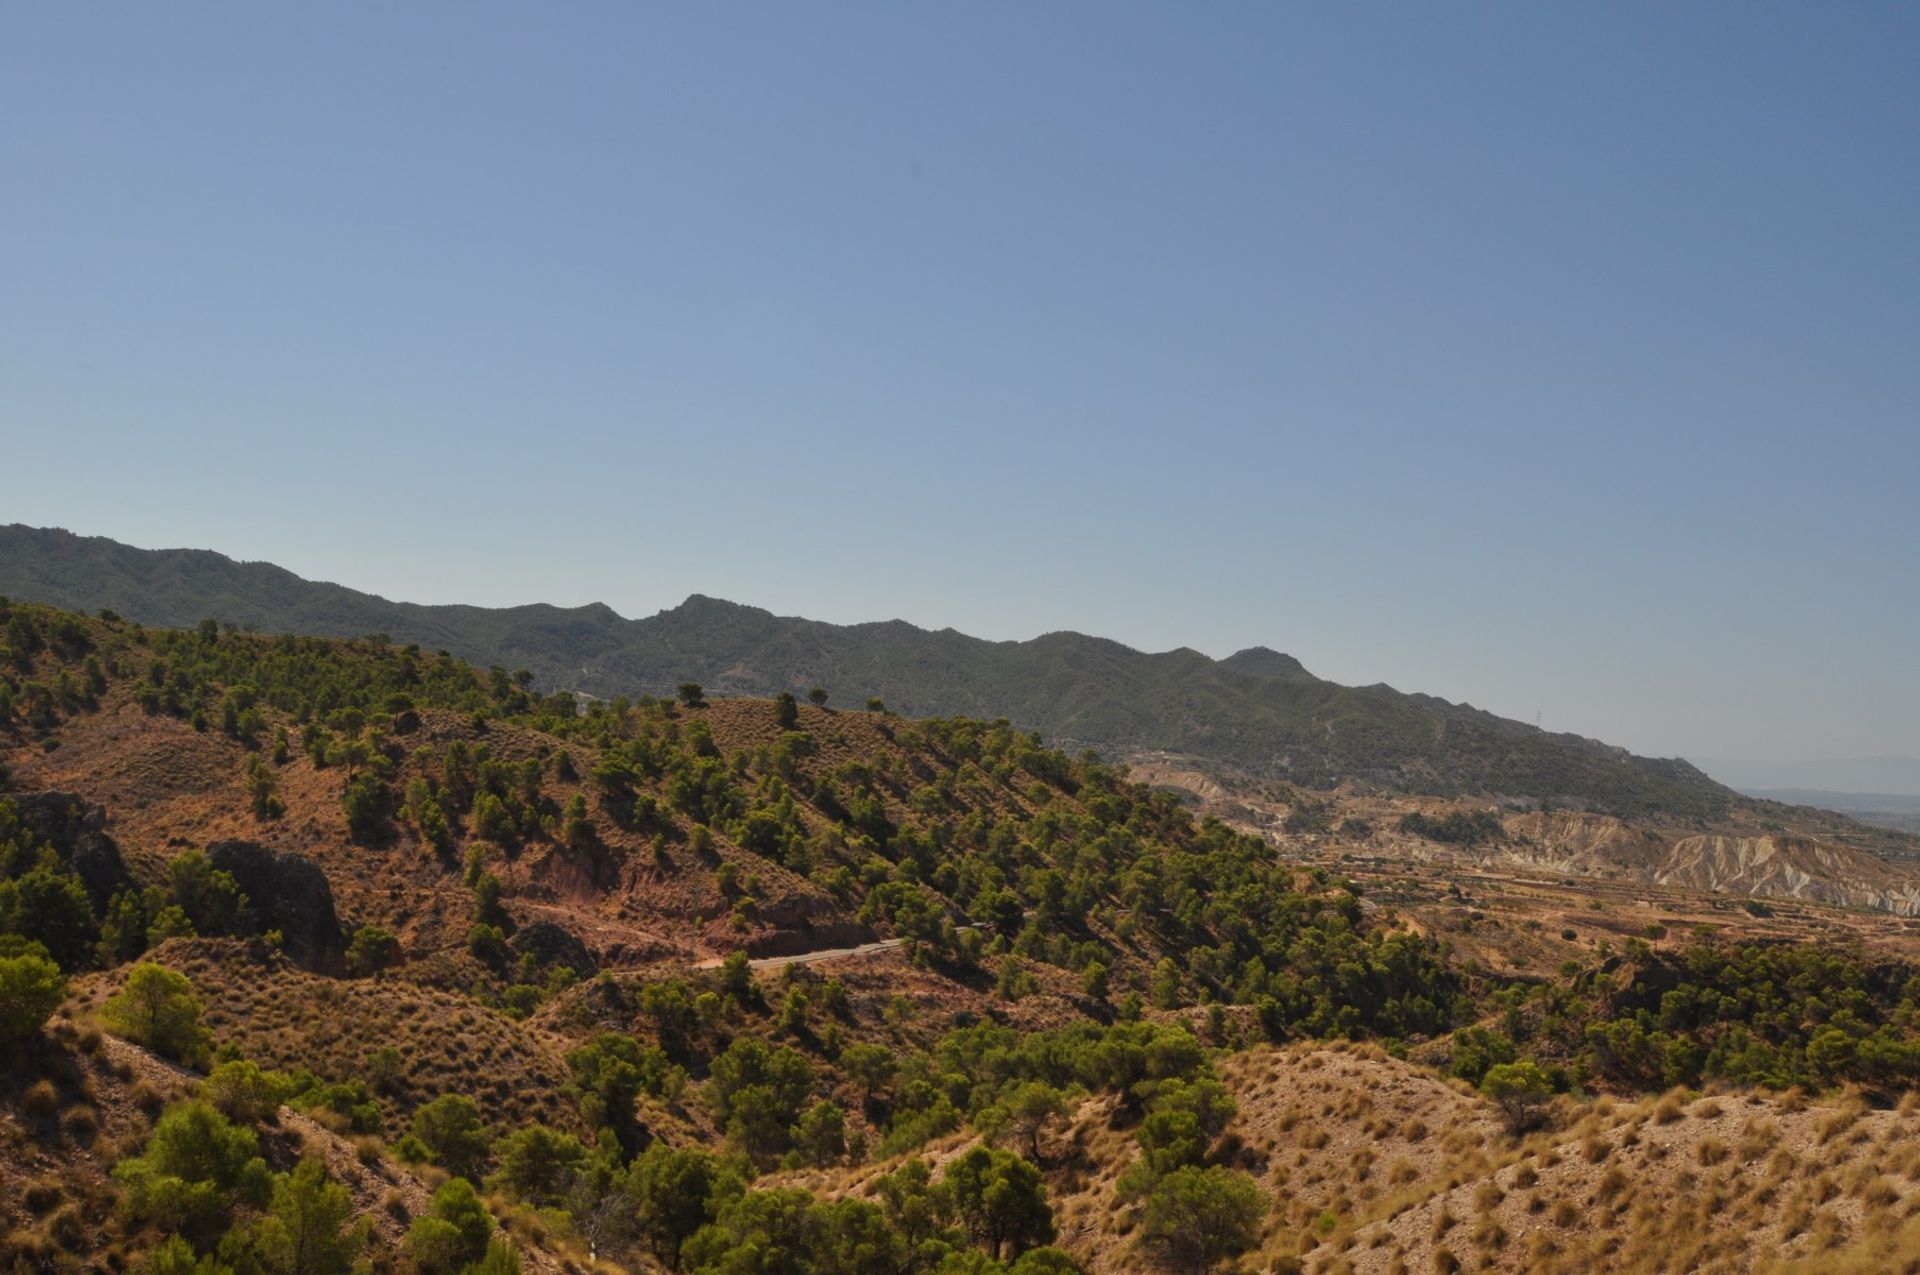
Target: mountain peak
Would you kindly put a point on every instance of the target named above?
(706, 604)
(1263, 661)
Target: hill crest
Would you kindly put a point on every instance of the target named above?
(1258, 712)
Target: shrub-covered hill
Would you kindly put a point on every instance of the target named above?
(457, 810)
(461, 928)
(1257, 712)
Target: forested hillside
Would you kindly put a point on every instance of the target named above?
(314, 951)
(1257, 712)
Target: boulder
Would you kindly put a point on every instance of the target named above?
(552, 946)
(76, 829)
(288, 893)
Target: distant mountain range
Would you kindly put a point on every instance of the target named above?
(1257, 712)
(1862, 776)
(1878, 809)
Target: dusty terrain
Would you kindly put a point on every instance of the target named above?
(1779, 853)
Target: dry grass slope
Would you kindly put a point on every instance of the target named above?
(287, 1019)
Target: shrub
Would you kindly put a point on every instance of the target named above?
(157, 1008)
(31, 988)
(243, 1092)
(351, 1100)
(1521, 1090)
(1025, 1113)
(453, 1234)
(40, 1100)
(372, 950)
(196, 1168)
(385, 1067)
(538, 1165)
(675, 1193)
(82, 1124)
(450, 1129)
(820, 1136)
(501, 1258)
(1000, 1199)
(307, 1231)
(1200, 1217)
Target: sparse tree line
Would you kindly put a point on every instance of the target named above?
(199, 1183)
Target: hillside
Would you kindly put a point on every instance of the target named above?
(1257, 712)
(353, 904)
(1763, 849)
(1899, 812)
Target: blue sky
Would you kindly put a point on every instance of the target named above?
(1562, 359)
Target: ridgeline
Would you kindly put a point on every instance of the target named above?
(1258, 712)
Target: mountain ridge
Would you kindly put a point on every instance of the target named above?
(1258, 711)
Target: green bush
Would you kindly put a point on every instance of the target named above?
(195, 1170)
(675, 1192)
(373, 949)
(1200, 1217)
(1520, 1090)
(309, 1228)
(453, 1134)
(453, 1233)
(1000, 1199)
(244, 1093)
(157, 1008)
(538, 1165)
(31, 988)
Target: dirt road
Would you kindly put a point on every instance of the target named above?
(809, 958)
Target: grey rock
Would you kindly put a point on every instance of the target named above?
(285, 892)
(76, 829)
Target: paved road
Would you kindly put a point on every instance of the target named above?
(808, 958)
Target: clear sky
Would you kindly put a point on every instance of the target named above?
(1558, 358)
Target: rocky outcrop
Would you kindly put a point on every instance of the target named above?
(1789, 867)
(551, 946)
(76, 829)
(288, 893)
(838, 934)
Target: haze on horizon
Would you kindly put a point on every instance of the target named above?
(1547, 360)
